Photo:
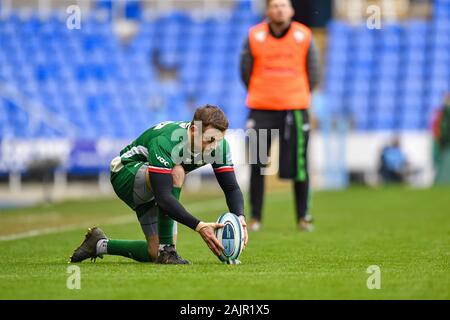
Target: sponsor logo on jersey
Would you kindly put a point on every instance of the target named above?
(162, 160)
(261, 36)
(299, 36)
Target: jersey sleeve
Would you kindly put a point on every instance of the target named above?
(160, 156)
(223, 154)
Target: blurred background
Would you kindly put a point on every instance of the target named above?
(79, 80)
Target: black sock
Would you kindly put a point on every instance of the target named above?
(256, 191)
(301, 190)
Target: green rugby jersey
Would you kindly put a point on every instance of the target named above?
(165, 145)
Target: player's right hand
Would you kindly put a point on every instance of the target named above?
(244, 227)
(206, 231)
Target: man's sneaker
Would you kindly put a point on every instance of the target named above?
(305, 225)
(169, 255)
(254, 225)
(88, 248)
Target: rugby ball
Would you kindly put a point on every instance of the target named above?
(231, 236)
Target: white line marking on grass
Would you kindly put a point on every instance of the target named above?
(194, 206)
(69, 227)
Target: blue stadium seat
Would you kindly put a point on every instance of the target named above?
(390, 40)
(337, 72)
(415, 55)
(386, 103)
(441, 9)
(441, 39)
(362, 37)
(359, 102)
(434, 99)
(416, 36)
(385, 121)
(360, 85)
(335, 102)
(411, 121)
(335, 87)
(362, 120)
(133, 9)
(388, 75)
(413, 84)
(441, 25)
(339, 28)
(386, 86)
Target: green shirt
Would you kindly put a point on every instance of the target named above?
(166, 144)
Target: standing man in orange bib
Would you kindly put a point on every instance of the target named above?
(280, 68)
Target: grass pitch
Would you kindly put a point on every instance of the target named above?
(405, 232)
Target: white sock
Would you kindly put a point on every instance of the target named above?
(102, 246)
(161, 246)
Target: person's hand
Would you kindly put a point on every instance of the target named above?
(206, 231)
(244, 226)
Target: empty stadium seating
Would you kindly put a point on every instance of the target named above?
(109, 89)
(391, 78)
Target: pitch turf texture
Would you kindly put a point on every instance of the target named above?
(405, 232)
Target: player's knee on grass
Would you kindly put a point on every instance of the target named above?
(148, 219)
(178, 176)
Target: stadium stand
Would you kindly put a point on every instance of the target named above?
(86, 84)
(110, 89)
(391, 78)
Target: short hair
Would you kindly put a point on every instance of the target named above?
(211, 115)
(269, 1)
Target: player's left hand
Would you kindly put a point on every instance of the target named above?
(206, 231)
(244, 226)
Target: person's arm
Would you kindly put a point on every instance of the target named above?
(161, 181)
(246, 63)
(233, 195)
(226, 178)
(313, 65)
(161, 184)
(235, 201)
(224, 171)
